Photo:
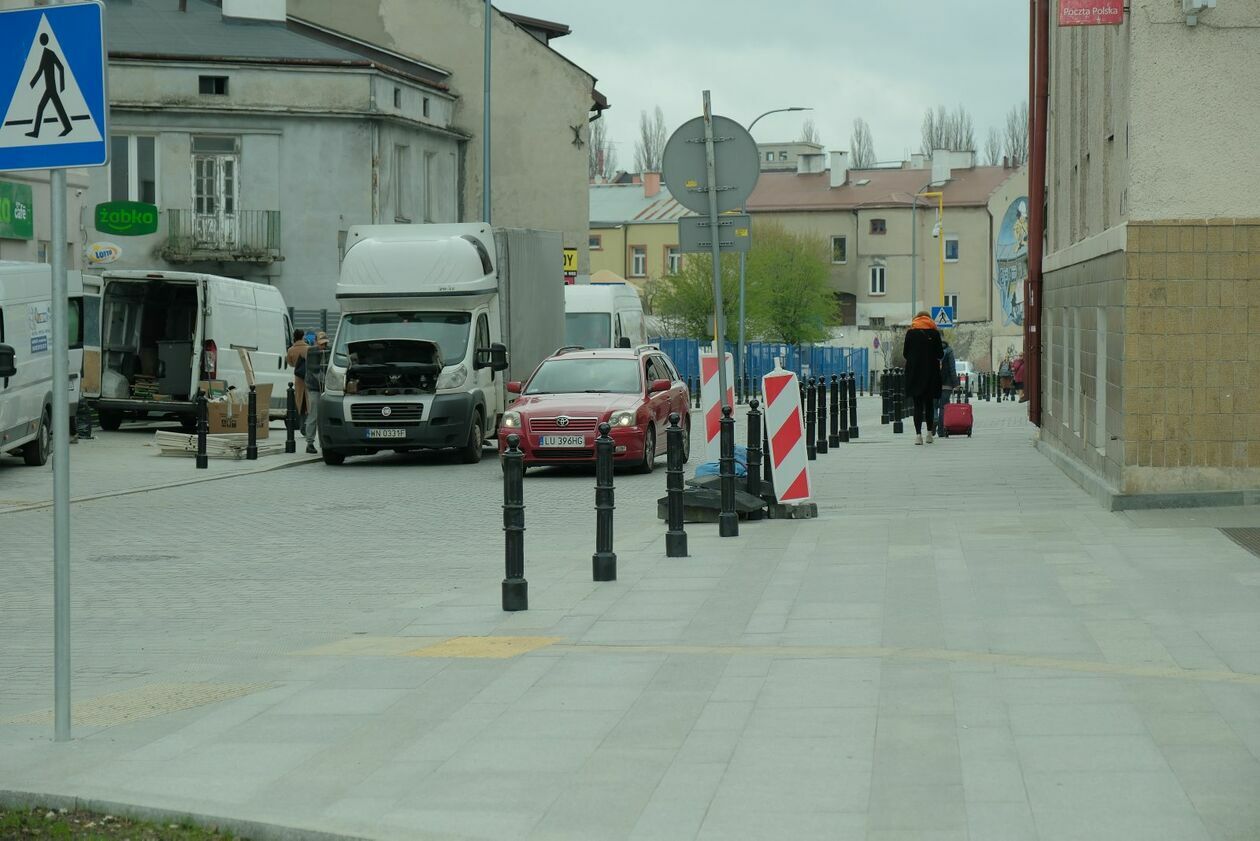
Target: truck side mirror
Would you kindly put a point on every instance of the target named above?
(7, 366)
(494, 357)
(623, 342)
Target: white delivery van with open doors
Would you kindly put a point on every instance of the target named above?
(26, 383)
(163, 332)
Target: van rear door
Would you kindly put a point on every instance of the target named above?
(90, 385)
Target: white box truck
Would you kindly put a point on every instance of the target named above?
(26, 383)
(435, 319)
(169, 330)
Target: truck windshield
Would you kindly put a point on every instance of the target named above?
(587, 329)
(448, 329)
(591, 376)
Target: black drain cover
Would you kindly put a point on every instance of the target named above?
(1248, 539)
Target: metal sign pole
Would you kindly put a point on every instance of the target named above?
(61, 461)
(711, 170)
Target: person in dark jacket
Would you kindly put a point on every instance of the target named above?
(949, 382)
(923, 351)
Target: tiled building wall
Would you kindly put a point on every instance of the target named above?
(1152, 359)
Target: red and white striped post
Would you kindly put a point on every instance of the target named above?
(710, 402)
(785, 429)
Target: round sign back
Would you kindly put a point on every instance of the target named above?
(736, 162)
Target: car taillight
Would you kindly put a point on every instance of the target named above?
(210, 360)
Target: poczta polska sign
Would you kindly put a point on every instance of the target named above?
(126, 218)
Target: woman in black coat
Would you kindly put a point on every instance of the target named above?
(923, 351)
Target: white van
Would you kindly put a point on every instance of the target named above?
(26, 327)
(168, 330)
(601, 315)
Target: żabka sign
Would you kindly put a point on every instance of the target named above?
(1090, 12)
(126, 218)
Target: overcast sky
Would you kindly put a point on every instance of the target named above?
(884, 60)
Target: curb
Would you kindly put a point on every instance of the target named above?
(254, 830)
(37, 506)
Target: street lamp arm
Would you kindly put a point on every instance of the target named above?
(777, 111)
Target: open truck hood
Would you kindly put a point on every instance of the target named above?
(393, 366)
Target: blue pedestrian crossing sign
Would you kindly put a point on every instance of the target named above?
(943, 316)
(52, 87)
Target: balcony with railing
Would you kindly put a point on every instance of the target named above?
(246, 236)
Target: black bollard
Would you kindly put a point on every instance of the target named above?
(251, 448)
(753, 485)
(203, 428)
(290, 421)
(604, 561)
(843, 431)
(811, 395)
(899, 389)
(515, 587)
(966, 388)
(853, 403)
(695, 395)
(834, 439)
(675, 537)
(885, 396)
(821, 446)
(728, 520)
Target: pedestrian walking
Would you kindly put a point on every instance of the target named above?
(923, 351)
(1006, 378)
(1017, 375)
(316, 362)
(949, 382)
(296, 358)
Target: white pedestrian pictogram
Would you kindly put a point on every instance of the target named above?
(47, 79)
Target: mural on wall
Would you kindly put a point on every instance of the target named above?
(1011, 254)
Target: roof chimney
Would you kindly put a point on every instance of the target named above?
(272, 10)
(917, 161)
(940, 166)
(839, 168)
(809, 163)
(651, 184)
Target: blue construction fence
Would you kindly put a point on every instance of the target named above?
(807, 361)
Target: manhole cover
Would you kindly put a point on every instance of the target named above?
(1248, 539)
(130, 559)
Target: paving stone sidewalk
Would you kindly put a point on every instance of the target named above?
(962, 646)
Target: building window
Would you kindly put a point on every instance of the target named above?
(769, 157)
(424, 106)
(951, 249)
(839, 250)
(951, 300)
(673, 259)
(879, 226)
(783, 156)
(878, 277)
(212, 85)
(431, 177)
(595, 242)
(398, 97)
(879, 321)
(133, 168)
(638, 261)
(402, 184)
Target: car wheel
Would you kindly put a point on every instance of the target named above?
(110, 421)
(35, 454)
(333, 457)
(649, 450)
(471, 453)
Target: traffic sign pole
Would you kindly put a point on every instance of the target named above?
(61, 461)
(711, 170)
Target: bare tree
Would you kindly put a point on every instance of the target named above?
(962, 131)
(943, 129)
(809, 132)
(650, 147)
(1017, 134)
(603, 155)
(993, 147)
(862, 145)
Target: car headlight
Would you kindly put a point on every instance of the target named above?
(622, 419)
(511, 420)
(334, 380)
(452, 378)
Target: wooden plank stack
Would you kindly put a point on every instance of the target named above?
(225, 445)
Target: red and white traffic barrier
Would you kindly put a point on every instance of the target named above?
(785, 429)
(710, 404)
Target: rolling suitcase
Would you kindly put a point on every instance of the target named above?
(957, 419)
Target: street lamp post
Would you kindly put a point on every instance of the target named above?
(743, 267)
(914, 244)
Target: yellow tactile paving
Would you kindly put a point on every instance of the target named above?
(144, 702)
(493, 648)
